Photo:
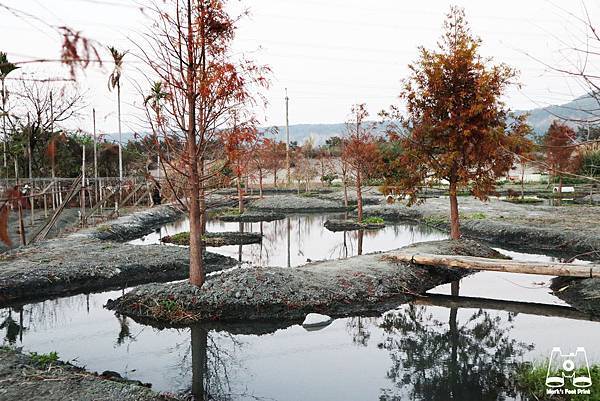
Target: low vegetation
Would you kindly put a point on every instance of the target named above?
(531, 379)
(524, 201)
(43, 360)
(373, 221)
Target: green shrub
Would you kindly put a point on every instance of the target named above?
(436, 220)
(43, 359)
(473, 216)
(169, 305)
(524, 201)
(230, 212)
(328, 178)
(178, 239)
(373, 220)
(104, 228)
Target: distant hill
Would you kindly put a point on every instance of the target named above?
(319, 132)
(582, 109)
(540, 119)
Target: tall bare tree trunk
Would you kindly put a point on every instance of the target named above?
(359, 203)
(522, 180)
(560, 185)
(344, 182)
(202, 199)
(196, 246)
(260, 183)
(240, 194)
(361, 235)
(454, 218)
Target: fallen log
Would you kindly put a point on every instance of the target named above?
(499, 265)
(528, 308)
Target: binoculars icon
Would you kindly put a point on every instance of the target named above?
(572, 366)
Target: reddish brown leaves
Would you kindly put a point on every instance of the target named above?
(4, 237)
(13, 197)
(457, 128)
(77, 50)
(360, 149)
(561, 154)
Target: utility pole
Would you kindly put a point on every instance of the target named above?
(287, 133)
(4, 124)
(96, 186)
(53, 161)
(120, 141)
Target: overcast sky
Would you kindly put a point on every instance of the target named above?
(329, 54)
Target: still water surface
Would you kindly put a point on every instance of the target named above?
(416, 351)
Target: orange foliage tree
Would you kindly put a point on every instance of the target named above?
(263, 159)
(456, 128)
(275, 157)
(188, 50)
(239, 143)
(360, 151)
(561, 155)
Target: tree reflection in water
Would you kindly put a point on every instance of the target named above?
(358, 328)
(434, 360)
(211, 363)
(124, 331)
(13, 329)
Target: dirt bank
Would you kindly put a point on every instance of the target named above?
(296, 204)
(563, 231)
(216, 239)
(350, 225)
(583, 295)
(92, 259)
(335, 288)
(252, 217)
(25, 378)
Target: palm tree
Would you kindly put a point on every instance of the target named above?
(114, 81)
(6, 67)
(154, 99)
(156, 96)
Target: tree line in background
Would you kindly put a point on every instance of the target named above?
(203, 135)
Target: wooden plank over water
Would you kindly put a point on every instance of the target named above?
(499, 265)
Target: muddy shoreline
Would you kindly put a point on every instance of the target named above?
(562, 231)
(96, 259)
(337, 288)
(26, 378)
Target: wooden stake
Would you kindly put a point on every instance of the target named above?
(82, 200)
(21, 225)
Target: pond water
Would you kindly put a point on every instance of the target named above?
(436, 348)
(299, 239)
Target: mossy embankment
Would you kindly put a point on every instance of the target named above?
(216, 239)
(340, 287)
(370, 223)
